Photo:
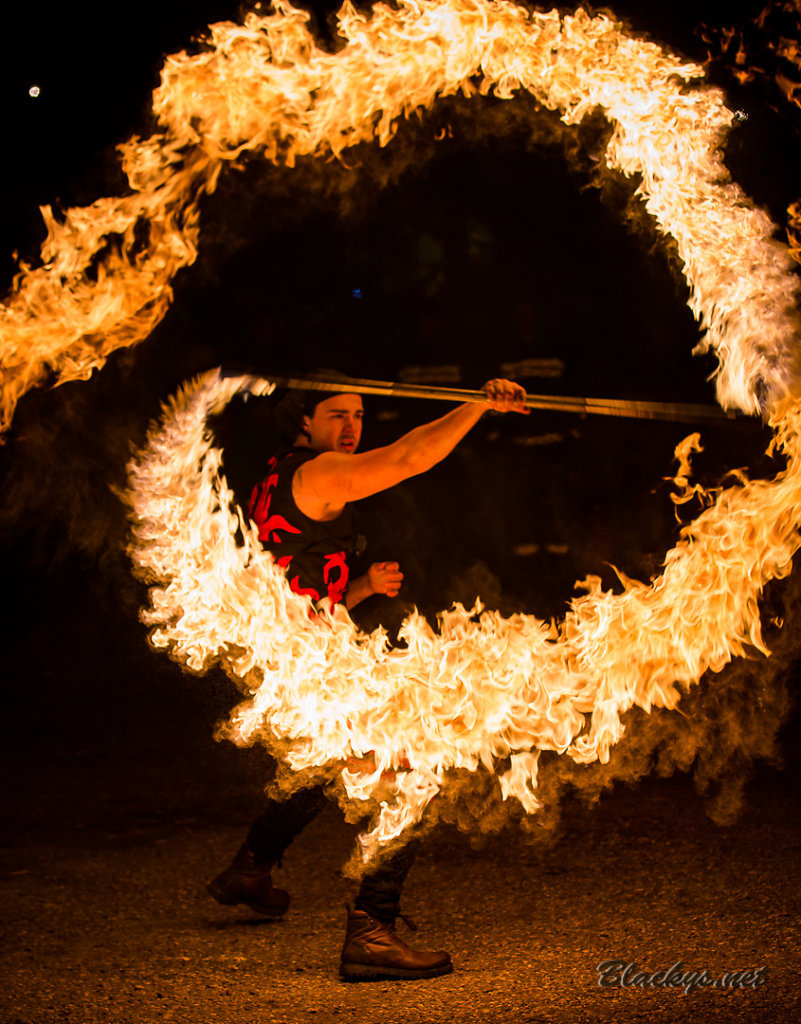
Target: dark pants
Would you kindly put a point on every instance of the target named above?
(273, 831)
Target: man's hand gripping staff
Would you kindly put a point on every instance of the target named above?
(322, 487)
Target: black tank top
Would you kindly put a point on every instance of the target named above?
(314, 554)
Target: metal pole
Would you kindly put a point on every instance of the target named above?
(679, 412)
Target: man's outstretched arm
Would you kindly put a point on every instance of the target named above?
(334, 478)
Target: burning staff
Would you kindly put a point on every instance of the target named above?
(302, 510)
(677, 411)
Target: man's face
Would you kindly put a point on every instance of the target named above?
(336, 425)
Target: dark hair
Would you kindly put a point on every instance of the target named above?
(297, 403)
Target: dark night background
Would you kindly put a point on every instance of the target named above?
(451, 262)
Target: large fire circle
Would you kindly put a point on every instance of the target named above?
(484, 688)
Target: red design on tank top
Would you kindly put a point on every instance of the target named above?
(336, 572)
(337, 586)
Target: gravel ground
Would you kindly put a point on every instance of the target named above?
(119, 807)
(107, 919)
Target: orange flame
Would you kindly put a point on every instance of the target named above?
(265, 87)
(794, 230)
(767, 49)
(483, 688)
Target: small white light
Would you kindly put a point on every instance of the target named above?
(33, 91)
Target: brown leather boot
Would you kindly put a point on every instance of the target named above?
(245, 881)
(373, 951)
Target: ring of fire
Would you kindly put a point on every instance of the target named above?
(483, 688)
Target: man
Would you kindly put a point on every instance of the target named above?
(302, 509)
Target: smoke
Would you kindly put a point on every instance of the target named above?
(68, 452)
(723, 726)
(721, 730)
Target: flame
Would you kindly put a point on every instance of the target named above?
(265, 87)
(484, 689)
(767, 50)
(771, 53)
(794, 230)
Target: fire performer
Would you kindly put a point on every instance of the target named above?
(302, 509)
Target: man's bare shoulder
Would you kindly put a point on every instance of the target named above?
(322, 464)
(312, 484)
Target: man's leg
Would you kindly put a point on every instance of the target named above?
(248, 879)
(380, 891)
(282, 820)
(371, 949)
